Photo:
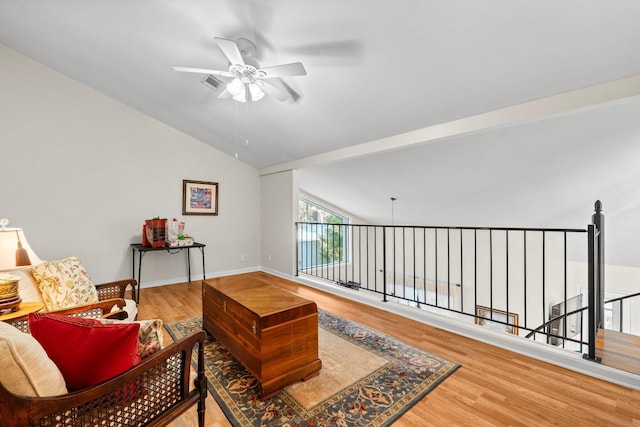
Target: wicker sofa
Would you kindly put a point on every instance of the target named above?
(151, 393)
(111, 300)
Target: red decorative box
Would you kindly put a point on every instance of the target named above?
(155, 233)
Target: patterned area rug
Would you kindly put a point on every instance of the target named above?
(367, 378)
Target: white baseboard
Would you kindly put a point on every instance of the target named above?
(195, 277)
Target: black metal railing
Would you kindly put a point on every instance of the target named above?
(620, 301)
(580, 311)
(519, 280)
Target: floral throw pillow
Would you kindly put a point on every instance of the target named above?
(150, 338)
(64, 283)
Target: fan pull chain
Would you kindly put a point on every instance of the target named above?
(246, 141)
(236, 140)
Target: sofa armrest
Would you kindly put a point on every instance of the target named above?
(152, 393)
(95, 310)
(117, 289)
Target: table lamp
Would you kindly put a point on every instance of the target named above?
(14, 248)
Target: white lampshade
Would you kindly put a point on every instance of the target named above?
(243, 92)
(235, 87)
(242, 95)
(256, 93)
(13, 248)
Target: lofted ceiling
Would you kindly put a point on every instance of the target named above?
(377, 69)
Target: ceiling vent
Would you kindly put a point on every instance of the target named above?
(214, 83)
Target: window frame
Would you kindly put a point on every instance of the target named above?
(327, 212)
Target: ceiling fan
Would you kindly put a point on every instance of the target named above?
(245, 80)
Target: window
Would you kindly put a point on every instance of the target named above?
(323, 238)
(312, 212)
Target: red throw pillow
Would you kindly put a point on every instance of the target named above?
(86, 351)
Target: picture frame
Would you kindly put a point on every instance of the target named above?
(199, 197)
(486, 317)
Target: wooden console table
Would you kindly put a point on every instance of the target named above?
(142, 250)
(271, 331)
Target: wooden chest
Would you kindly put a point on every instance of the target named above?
(272, 332)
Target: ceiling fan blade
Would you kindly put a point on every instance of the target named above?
(231, 51)
(225, 94)
(203, 71)
(295, 96)
(274, 91)
(293, 69)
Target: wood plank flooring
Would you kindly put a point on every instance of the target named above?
(492, 387)
(618, 350)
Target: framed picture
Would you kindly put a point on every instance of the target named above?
(199, 197)
(487, 318)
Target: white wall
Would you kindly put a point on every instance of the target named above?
(279, 211)
(81, 172)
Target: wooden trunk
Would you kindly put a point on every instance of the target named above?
(272, 332)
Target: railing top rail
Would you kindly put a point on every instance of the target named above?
(554, 319)
(622, 298)
(442, 227)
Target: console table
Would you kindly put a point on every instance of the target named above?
(142, 250)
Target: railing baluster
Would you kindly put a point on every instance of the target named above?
(375, 258)
(424, 265)
(544, 275)
(564, 323)
(491, 273)
(475, 270)
(436, 264)
(621, 317)
(461, 275)
(384, 263)
(506, 281)
(404, 265)
(448, 269)
(414, 264)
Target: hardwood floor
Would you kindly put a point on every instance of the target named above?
(492, 387)
(618, 350)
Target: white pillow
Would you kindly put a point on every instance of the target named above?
(25, 368)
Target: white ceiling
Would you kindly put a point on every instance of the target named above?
(376, 69)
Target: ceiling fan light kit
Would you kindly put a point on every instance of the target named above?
(243, 92)
(244, 87)
(245, 80)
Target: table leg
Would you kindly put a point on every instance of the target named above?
(133, 272)
(189, 263)
(140, 255)
(203, 270)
